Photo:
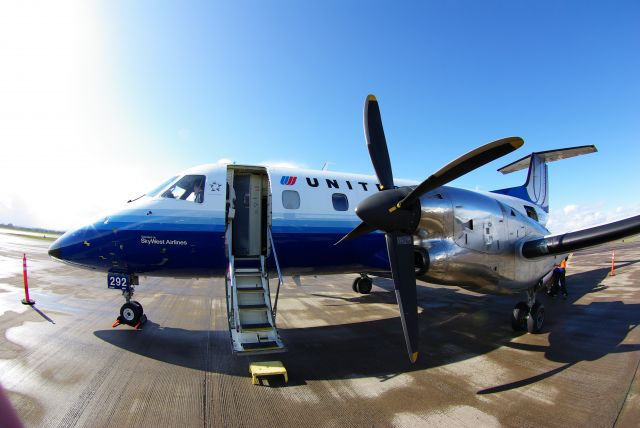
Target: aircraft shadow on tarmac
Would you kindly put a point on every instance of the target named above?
(454, 326)
(581, 332)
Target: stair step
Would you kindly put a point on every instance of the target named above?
(252, 328)
(256, 327)
(261, 346)
(253, 307)
(250, 290)
(248, 270)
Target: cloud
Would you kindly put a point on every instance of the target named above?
(223, 161)
(14, 210)
(574, 217)
(283, 164)
(70, 148)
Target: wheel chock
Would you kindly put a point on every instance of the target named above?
(143, 320)
(267, 368)
(138, 326)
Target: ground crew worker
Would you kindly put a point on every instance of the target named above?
(562, 272)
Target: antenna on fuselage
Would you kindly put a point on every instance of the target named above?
(326, 165)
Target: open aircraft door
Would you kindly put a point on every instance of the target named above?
(250, 312)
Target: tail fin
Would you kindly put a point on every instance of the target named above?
(536, 188)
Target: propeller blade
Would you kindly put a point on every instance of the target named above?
(462, 165)
(400, 249)
(361, 229)
(377, 143)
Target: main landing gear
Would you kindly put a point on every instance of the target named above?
(131, 313)
(363, 284)
(528, 315)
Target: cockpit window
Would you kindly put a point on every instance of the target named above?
(159, 188)
(188, 188)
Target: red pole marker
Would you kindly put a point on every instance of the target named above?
(26, 300)
(613, 269)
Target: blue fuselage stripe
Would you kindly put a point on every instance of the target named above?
(180, 246)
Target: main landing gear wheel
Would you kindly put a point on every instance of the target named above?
(362, 285)
(519, 316)
(536, 318)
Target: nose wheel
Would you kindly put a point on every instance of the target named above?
(131, 313)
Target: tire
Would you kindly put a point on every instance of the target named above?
(535, 320)
(364, 285)
(139, 305)
(131, 313)
(519, 316)
(354, 286)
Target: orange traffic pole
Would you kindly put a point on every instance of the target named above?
(26, 300)
(613, 268)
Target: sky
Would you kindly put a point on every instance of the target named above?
(101, 101)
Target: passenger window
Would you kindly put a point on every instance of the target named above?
(188, 188)
(290, 199)
(531, 212)
(340, 202)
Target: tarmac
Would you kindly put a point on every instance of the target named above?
(62, 364)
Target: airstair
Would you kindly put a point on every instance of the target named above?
(252, 319)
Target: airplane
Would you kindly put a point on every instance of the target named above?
(247, 222)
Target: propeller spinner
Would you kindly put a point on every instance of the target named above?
(396, 211)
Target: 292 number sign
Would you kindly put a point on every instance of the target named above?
(118, 281)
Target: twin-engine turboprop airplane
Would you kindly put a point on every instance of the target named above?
(248, 222)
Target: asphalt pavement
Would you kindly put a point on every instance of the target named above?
(62, 364)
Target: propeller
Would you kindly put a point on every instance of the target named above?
(396, 211)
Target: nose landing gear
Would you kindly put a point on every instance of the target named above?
(131, 313)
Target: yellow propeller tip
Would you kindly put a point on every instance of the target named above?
(517, 142)
(414, 357)
(371, 98)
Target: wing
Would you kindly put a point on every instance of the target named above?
(571, 241)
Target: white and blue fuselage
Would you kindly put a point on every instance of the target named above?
(166, 234)
(162, 236)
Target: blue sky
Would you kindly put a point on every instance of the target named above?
(111, 97)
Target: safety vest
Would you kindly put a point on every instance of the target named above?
(563, 264)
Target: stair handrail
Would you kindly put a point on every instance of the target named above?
(231, 276)
(280, 281)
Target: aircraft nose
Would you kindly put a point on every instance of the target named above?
(54, 249)
(82, 247)
(70, 245)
